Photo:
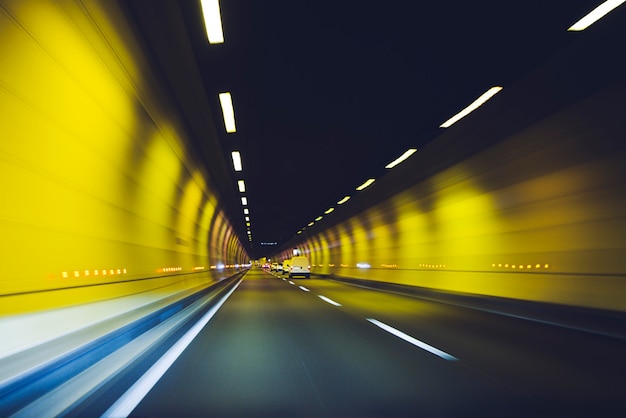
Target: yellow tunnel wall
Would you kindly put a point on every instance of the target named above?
(98, 184)
(539, 216)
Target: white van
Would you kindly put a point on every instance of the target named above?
(300, 266)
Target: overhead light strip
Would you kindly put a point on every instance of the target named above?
(469, 109)
(595, 15)
(237, 161)
(367, 183)
(403, 157)
(344, 200)
(242, 186)
(228, 112)
(213, 21)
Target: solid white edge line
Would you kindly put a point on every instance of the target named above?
(131, 398)
(304, 288)
(325, 299)
(413, 341)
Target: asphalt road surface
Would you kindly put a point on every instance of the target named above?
(317, 348)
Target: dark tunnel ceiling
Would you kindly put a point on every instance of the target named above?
(327, 92)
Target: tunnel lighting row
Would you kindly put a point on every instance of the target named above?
(521, 266)
(212, 21)
(366, 184)
(215, 34)
(595, 15)
(401, 158)
(94, 272)
(365, 265)
(170, 269)
(580, 25)
(179, 268)
(222, 266)
(237, 164)
(358, 265)
(472, 106)
(119, 271)
(211, 8)
(432, 266)
(363, 186)
(228, 112)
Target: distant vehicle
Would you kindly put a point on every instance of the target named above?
(279, 267)
(274, 267)
(286, 266)
(300, 266)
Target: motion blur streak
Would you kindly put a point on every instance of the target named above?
(96, 165)
(125, 405)
(100, 173)
(536, 216)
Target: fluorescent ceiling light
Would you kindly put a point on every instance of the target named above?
(319, 218)
(228, 112)
(311, 223)
(213, 21)
(469, 109)
(246, 212)
(595, 15)
(244, 201)
(237, 161)
(299, 232)
(247, 218)
(247, 223)
(366, 184)
(242, 186)
(403, 157)
(344, 200)
(329, 210)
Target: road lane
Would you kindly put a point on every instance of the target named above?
(556, 368)
(276, 350)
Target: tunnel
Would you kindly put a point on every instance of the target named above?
(499, 248)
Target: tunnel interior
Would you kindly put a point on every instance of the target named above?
(118, 193)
